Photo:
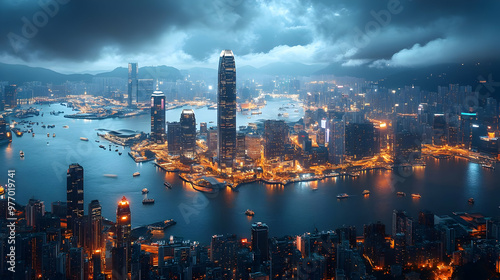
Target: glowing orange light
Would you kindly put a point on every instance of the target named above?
(244, 240)
(124, 217)
(383, 125)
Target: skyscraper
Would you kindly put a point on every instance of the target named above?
(121, 253)
(10, 96)
(260, 242)
(133, 70)
(158, 117)
(34, 212)
(74, 195)
(123, 223)
(188, 133)
(95, 222)
(275, 136)
(226, 110)
(174, 138)
(336, 137)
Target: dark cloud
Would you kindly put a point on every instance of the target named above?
(88, 30)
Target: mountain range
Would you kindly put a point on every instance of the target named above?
(426, 77)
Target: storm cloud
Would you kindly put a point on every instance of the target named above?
(93, 34)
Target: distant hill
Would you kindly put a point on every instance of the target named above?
(18, 74)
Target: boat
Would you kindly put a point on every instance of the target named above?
(342, 196)
(21, 154)
(366, 192)
(401, 194)
(489, 166)
(145, 191)
(48, 134)
(168, 185)
(97, 141)
(102, 147)
(249, 213)
(33, 134)
(256, 113)
(53, 135)
(110, 175)
(120, 153)
(84, 139)
(116, 150)
(148, 201)
(136, 174)
(471, 200)
(416, 195)
(65, 126)
(44, 126)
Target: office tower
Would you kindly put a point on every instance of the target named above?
(10, 96)
(5, 134)
(226, 110)
(312, 268)
(95, 223)
(121, 256)
(253, 146)
(123, 223)
(398, 222)
(34, 213)
(174, 137)
(96, 265)
(158, 117)
(118, 263)
(188, 133)
(76, 264)
(212, 140)
(374, 244)
(240, 145)
(320, 136)
(359, 140)
(336, 135)
(203, 128)
(260, 242)
(223, 252)
(284, 256)
(59, 209)
(275, 136)
(74, 188)
(439, 130)
(133, 71)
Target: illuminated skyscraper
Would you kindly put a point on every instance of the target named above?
(121, 253)
(188, 133)
(336, 144)
(275, 137)
(95, 222)
(226, 110)
(158, 117)
(123, 223)
(74, 195)
(133, 70)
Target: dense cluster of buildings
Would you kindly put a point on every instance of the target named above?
(63, 243)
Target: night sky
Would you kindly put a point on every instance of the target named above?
(93, 35)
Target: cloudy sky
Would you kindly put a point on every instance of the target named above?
(92, 35)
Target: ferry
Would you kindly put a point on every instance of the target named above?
(53, 135)
(44, 126)
(256, 113)
(249, 213)
(48, 134)
(120, 153)
(471, 200)
(21, 154)
(102, 147)
(33, 134)
(110, 175)
(342, 196)
(490, 166)
(136, 174)
(65, 126)
(366, 192)
(84, 139)
(401, 194)
(145, 191)
(168, 185)
(416, 195)
(148, 201)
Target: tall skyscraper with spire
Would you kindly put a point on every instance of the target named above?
(226, 110)
(133, 71)
(121, 252)
(74, 195)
